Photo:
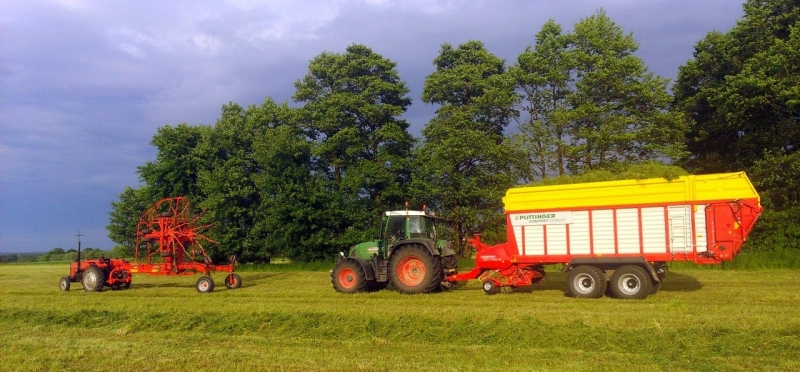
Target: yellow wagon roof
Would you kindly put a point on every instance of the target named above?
(708, 187)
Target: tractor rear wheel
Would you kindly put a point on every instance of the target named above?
(586, 281)
(205, 284)
(348, 277)
(412, 269)
(233, 281)
(64, 283)
(93, 279)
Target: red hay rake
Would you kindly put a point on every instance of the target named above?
(169, 241)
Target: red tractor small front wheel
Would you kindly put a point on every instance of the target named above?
(64, 283)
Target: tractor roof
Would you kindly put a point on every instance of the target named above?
(406, 213)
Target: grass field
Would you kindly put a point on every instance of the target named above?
(294, 321)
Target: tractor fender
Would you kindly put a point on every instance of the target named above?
(369, 271)
(429, 245)
(612, 263)
(448, 250)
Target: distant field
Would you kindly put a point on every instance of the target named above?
(294, 321)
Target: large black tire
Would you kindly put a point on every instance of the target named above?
(233, 281)
(586, 281)
(631, 282)
(205, 284)
(450, 264)
(64, 283)
(93, 279)
(374, 286)
(349, 277)
(412, 269)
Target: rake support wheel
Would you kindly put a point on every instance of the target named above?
(205, 284)
(233, 281)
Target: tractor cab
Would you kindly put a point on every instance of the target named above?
(401, 225)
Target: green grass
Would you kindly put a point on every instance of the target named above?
(294, 321)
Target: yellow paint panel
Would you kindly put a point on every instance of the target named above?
(720, 186)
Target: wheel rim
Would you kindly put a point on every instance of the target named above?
(231, 280)
(488, 286)
(411, 271)
(64, 284)
(347, 278)
(203, 285)
(629, 284)
(90, 279)
(583, 283)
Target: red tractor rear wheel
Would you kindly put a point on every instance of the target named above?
(93, 279)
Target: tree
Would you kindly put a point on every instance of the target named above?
(741, 90)
(124, 216)
(177, 164)
(619, 111)
(353, 102)
(233, 200)
(300, 216)
(543, 78)
(589, 103)
(463, 166)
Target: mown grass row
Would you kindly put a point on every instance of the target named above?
(722, 340)
(293, 320)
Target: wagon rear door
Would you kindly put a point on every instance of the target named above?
(680, 228)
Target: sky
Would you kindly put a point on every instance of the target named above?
(85, 84)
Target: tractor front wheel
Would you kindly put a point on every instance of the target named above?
(348, 277)
(205, 284)
(412, 269)
(64, 283)
(93, 279)
(233, 281)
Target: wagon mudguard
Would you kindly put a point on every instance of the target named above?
(612, 263)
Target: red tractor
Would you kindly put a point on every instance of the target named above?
(168, 242)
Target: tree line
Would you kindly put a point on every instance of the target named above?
(307, 182)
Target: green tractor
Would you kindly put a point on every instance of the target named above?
(407, 254)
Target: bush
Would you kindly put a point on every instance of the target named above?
(775, 231)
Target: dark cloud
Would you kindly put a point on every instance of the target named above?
(85, 84)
